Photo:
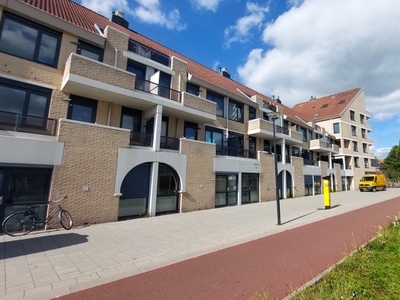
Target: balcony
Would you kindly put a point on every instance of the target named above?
(323, 146)
(310, 162)
(10, 121)
(264, 129)
(96, 80)
(233, 151)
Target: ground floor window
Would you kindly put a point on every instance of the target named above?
(167, 191)
(23, 187)
(226, 189)
(250, 188)
(317, 185)
(308, 185)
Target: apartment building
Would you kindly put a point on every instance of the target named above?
(127, 127)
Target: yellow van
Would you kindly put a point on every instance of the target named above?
(372, 182)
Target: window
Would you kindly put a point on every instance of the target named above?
(352, 115)
(303, 132)
(138, 69)
(252, 147)
(356, 163)
(214, 135)
(131, 119)
(192, 89)
(164, 85)
(252, 113)
(336, 128)
(363, 133)
(28, 40)
(190, 130)
(267, 147)
(235, 111)
(295, 151)
(82, 109)
(217, 99)
(362, 119)
(355, 146)
(353, 130)
(365, 148)
(366, 163)
(90, 51)
(24, 99)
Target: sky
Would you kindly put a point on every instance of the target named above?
(293, 49)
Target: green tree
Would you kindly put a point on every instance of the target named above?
(392, 164)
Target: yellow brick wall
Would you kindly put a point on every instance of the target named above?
(90, 159)
(200, 177)
(298, 190)
(115, 40)
(267, 176)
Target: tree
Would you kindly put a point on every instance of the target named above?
(392, 164)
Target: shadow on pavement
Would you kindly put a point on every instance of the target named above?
(334, 206)
(299, 217)
(33, 245)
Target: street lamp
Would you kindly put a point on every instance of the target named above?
(278, 207)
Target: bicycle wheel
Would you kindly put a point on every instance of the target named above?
(65, 219)
(19, 224)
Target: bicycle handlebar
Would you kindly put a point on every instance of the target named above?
(56, 201)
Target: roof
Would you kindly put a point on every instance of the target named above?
(81, 16)
(327, 107)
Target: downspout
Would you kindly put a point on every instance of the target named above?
(116, 57)
(109, 113)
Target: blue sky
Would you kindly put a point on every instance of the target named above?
(293, 49)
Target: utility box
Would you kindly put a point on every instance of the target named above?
(327, 191)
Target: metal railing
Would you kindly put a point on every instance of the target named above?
(155, 88)
(149, 53)
(233, 151)
(283, 130)
(310, 162)
(169, 143)
(11, 121)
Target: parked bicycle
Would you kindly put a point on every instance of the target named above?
(22, 222)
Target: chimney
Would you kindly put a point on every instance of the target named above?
(224, 72)
(118, 17)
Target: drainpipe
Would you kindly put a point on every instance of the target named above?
(116, 57)
(109, 113)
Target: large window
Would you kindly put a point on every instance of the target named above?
(131, 119)
(219, 99)
(214, 135)
(235, 111)
(363, 133)
(252, 113)
(82, 109)
(356, 162)
(191, 130)
(192, 89)
(90, 51)
(366, 163)
(25, 39)
(164, 85)
(364, 147)
(362, 119)
(24, 99)
(138, 69)
(336, 128)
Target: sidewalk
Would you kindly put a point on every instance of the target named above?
(49, 264)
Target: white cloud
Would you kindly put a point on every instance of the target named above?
(240, 32)
(380, 152)
(146, 11)
(207, 4)
(324, 47)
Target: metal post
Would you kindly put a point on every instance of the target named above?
(278, 208)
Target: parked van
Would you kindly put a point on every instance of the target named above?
(371, 182)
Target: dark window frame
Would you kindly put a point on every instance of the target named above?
(82, 45)
(192, 126)
(240, 106)
(134, 65)
(192, 89)
(252, 113)
(85, 102)
(219, 100)
(352, 115)
(336, 127)
(41, 30)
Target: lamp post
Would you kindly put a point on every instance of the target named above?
(278, 207)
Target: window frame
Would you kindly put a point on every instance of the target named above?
(252, 113)
(240, 106)
(82, 45)
(192, 89)
(85, 102)
(194, 127)
(336, 128)
(353, 130)
(219, 100)
(41, 30)
(352, 115)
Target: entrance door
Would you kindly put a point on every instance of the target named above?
(2, 198)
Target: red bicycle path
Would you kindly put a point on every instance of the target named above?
(276, 264)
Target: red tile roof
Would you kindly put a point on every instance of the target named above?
(331, 106)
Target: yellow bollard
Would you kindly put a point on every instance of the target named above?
(327, 192)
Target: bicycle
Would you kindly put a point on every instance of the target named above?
(22, 222)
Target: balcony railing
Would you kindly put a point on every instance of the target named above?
(146, 140)
(154, 88)
(141, 139)
(169, 143)
(283, 130)
(233, 151)
(310, 162)
(11, 121)
(149, 53)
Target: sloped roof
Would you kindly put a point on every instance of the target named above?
(327, 107)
